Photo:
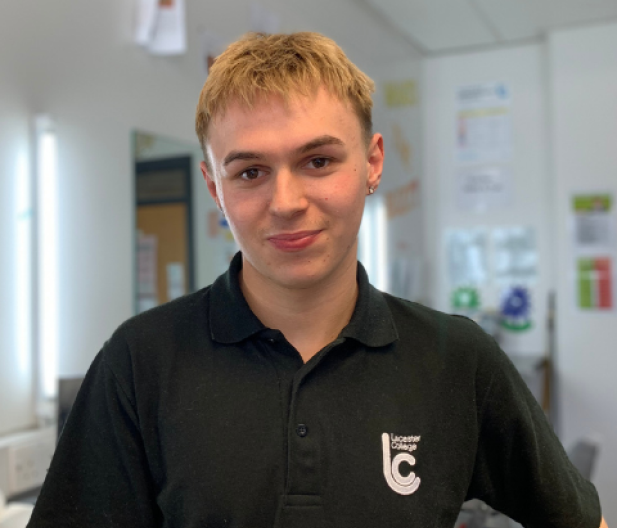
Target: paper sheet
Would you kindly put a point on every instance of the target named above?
(176, 284)
(595, 283)
(515, 255)
(145, 20)
(483, 123)
(481, 188)
(594, 222)
(169, 36)
(147, 296)
(466, 253)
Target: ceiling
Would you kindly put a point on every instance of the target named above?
(447, 26)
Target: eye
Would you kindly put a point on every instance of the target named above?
(250, 174)
(319, 163)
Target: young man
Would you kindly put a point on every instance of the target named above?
(291, 393)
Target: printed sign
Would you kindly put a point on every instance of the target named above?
(483, 187)
(466, 253)
(516, 309)
(401, 93)
(595, 283)
(483, 128)
(594, 222)
(401, 201)
(515, 256)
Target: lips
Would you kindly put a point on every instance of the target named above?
(294, 241)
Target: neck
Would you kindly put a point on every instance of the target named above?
(309, 318)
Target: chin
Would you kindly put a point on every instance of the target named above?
(297, 277)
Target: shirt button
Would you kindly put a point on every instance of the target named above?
(271, 340)
(302, 430)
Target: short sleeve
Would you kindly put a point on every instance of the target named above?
(521, 468)
(99, 473)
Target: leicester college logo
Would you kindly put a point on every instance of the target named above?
(392, 466)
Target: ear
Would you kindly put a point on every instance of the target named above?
(375, 157)
(210, 183)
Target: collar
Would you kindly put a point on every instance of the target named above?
(232, 321)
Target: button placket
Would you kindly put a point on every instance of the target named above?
(304, 448)
(304, 458)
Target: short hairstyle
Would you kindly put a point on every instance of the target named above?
(258, 65)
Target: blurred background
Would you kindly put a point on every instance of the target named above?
(497, 201)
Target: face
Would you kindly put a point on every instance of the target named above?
(292, 179)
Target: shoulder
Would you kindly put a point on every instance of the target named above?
(170, 318)
(456, 343)
(176, 321)
(151, 339)
(414, 321)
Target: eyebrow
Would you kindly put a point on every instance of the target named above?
(320, 141)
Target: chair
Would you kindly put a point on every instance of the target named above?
(583, 455)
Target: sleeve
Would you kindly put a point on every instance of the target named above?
(521, 468)
(99, 474)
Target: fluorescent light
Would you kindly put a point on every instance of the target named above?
(47, 255)
(381, 239)
(374, 242)
(23, 263)
(365, 241)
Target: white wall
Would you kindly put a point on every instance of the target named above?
(522, 70)
(75, 61)
(583, 89)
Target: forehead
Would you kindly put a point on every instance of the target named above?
(273, 118)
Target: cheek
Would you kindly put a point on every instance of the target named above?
(345, 204)
(241, 210)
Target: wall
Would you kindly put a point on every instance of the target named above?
(583, 72)
(521, 69)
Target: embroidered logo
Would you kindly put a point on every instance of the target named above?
(404, 485)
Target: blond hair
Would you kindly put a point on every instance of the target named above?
(258, 65)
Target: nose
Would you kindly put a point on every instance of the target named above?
(288, 194)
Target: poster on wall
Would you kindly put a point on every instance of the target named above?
(483, 125)
(595, 283)
(593, 219)
(169, 32)
(401, 93)
(403, 200)
(594, 224)
(515, 255)
(145, 20)
(176, 285)
(402, 146)
(515, 309)
(466, 254)
(481, 188)
(147, 294)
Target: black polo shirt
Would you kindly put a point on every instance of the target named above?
(195, 415)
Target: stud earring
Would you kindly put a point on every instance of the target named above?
(371, 190)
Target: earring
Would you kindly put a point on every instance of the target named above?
(371, 189)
